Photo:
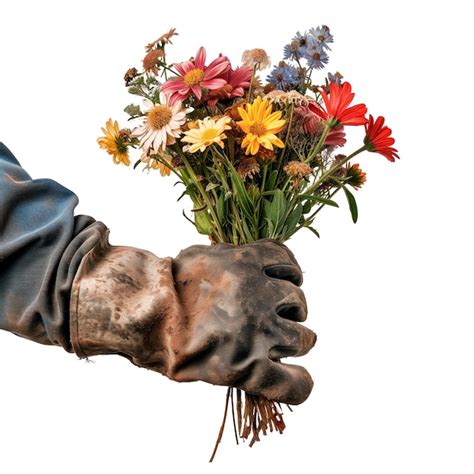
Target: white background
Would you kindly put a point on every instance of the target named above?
(390, 297)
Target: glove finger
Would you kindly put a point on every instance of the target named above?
(283, 383)
(288, 301)
(270, 252)
(291, 339)
(279, 271)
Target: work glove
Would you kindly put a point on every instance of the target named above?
(222, 314)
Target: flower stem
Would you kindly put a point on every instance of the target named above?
(204, 195)
(319, 146)
(249, 96)
(333, 169)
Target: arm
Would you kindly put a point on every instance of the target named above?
(222, 314)
(41, 246)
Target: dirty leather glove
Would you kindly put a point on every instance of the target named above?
(222, 314)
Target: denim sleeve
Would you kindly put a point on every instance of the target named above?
(41, 246)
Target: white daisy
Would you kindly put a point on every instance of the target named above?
(162, 126)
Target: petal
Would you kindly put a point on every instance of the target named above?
(200, 59)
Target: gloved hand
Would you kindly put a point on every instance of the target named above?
(222, 314)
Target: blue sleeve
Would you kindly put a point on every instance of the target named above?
(41, 246)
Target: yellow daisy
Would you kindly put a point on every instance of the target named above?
(114, 142)
(260, 125)
(208, 131)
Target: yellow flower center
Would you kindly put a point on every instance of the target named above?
(258, 128)
(209, 135)
(159, 116)
(193, 77)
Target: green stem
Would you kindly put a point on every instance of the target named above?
(236, 225)
(205, 196)
(333, 169)
(251, 83)
(320, 144)
(167, 68)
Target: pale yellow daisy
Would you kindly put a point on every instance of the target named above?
(207, 132)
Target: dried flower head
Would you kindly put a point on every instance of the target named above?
(125, 135)
(163, 39)
(130, 75)
(257, 58)
(151, 59)
(297, 170)
(307, 122)
(283, 98)
(268, 88)
(233, 110)
(355, 176)
(248, 168)
(265, 154)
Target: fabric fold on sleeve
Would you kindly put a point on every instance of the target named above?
(42, 244)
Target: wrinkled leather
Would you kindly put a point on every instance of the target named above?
(222, 314)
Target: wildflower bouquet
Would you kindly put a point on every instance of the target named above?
(258, 159)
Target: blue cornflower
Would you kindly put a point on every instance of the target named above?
(295, 49)
(322, 35)
(315, 55)
(301, 39)
(336, 78)
(292, 51)
(283, 77)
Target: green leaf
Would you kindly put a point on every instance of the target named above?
(271, 180)
(276, 210)
(307, 206)
(313, 230)
(202, 222)
(133, 110)
(221, 209)
(151, 80)
(182, 195)
(137, 163)
(253, 192)
(211, 186)
(135, 90)
(248, 234)
(294, 218)
(311, 197)
(352, 204)
(269, 228)
(241, 194)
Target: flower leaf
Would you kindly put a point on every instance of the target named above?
(133, 110)
(312, 197)
(352, 204)
(294, 218)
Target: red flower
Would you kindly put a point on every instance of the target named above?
(312, 124)
(195, 75)
(336, 137)
(377, 138)
(337, 111)
(236, 82)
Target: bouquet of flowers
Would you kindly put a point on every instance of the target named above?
(257, 158)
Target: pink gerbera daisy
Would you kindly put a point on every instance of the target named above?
(194, 75)
(236, 83)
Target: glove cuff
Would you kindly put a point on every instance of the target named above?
(122, 302)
